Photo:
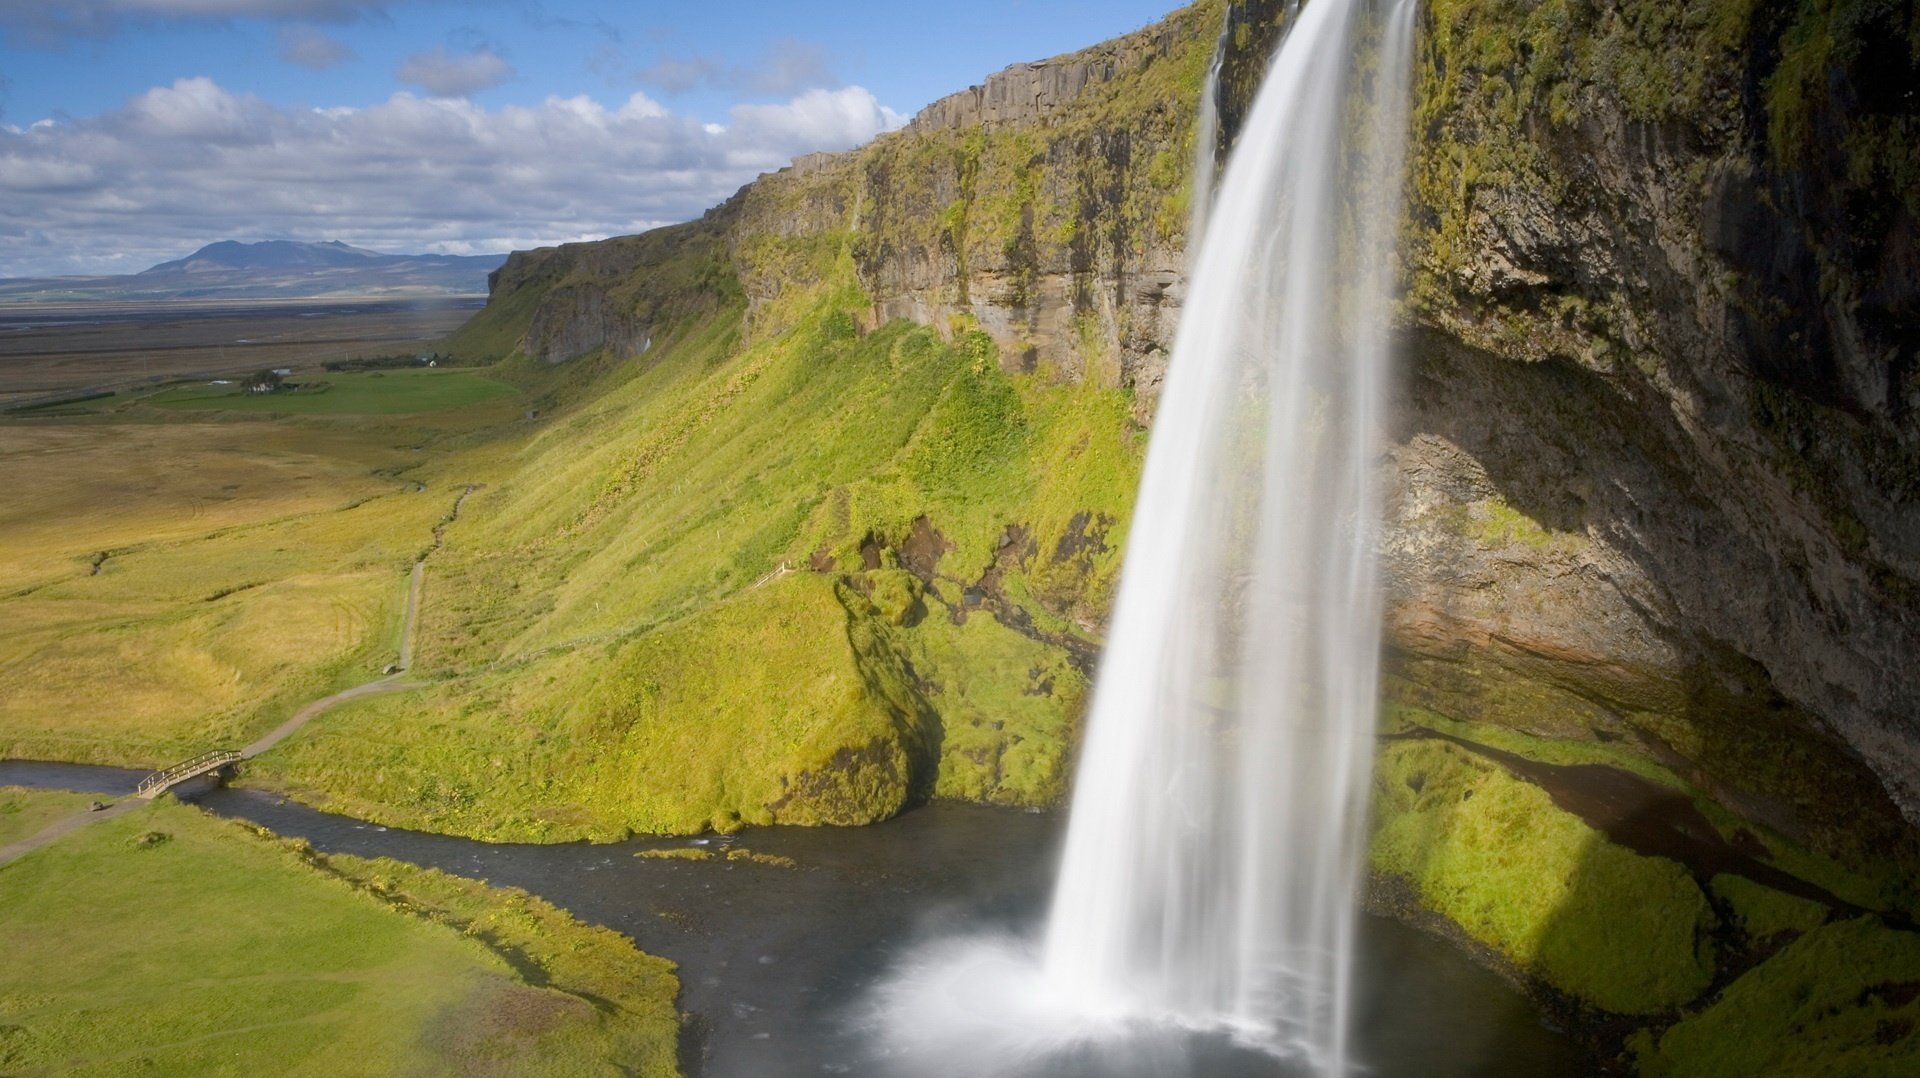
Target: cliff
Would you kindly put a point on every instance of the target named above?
(1653, 549)
(1655, 458)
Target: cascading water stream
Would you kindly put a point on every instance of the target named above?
(1209, 876)
(1206, 148)
(1215, 835)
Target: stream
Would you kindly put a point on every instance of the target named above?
(776, 962)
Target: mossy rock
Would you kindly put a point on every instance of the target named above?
(1764, 913)
(1844, 999)
(1615, 930)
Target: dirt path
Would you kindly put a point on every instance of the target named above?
(62, 827)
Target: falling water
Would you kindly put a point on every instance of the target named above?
(1209, 875)
(1206, 148)
(1216, 828)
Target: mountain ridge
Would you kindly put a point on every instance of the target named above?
(270, 269)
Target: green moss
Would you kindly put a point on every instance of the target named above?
(677, 853)
(1497, 524)
(1843, 999)
(1763, 913)
(1492, 853)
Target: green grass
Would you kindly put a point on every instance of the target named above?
(174, 647)
(395, 392)
(167, 941)
(1493, 854)
(1764, 913)
(178, 585)
(24, 813)
(637, 546)
(1844, 999)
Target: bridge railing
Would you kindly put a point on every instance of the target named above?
(186, 769)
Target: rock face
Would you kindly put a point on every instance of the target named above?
(1655, 461)
(561, 303)
(577, 319)
(1665, 286)
(1047, 206)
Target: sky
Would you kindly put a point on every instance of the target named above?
(135, 131)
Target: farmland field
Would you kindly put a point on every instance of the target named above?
(396, 392)
(181, 569)
(53, 350)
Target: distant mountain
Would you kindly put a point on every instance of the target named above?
(272, 254)
(273, 269)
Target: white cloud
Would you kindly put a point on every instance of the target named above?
(310, 48)
(185, 164)
(443, 73)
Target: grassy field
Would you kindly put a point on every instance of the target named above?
(394, 392)
(24, 813)
(170, 942)
(196, 612)
(179, 580)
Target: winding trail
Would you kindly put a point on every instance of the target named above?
(393, 682)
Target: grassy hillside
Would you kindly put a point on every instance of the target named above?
(807, 578)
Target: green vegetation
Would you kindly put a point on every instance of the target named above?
(799, 564)
(848, 510)
(184, 585)
(1844, 999)
(677, 853)
(1492, 853)
(1763, 913)
(395, 392)
(166, 941)
(24, 812)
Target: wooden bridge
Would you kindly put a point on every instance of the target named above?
(204, 764)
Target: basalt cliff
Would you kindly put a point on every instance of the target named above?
(1653, 731)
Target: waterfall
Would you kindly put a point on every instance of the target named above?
(1216, 831)
(1208, 882)
(1206, 147)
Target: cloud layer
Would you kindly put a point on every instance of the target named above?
(54, 20)
(312, 49)
(788, 66)
(443, 73)
(185, 164)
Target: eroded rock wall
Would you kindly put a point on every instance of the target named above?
(1047, 206)
(1663, 299)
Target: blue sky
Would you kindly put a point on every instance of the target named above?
(132, 131)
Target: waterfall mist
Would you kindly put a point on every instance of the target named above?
(1209, 876)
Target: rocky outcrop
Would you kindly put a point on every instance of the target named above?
(576, 319)
(1673, 327)
(562, 303)
(1024, 93)
(1046, 206)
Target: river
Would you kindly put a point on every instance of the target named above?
(776, 962)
